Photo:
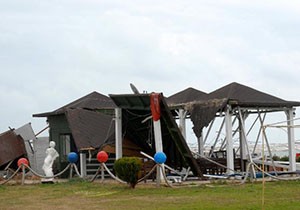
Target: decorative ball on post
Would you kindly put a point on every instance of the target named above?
(23, 161)
(102, 157)
(160, 157)
(72, 157)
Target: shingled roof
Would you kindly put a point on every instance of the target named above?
(241, 95)
(185, 96)
(236, 95)
(92, 101)
(90, 129)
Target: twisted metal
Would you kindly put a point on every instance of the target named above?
(266, 173)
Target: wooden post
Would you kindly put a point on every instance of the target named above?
(118, 129)
(23, 174)
(71, 170)
(102, 172)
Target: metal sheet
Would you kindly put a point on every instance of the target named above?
(11, 147)
(26, 132)
(136, 110)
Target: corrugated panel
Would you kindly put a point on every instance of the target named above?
(130, 101)
(136, 108)
(11, 147)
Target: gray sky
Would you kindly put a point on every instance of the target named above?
(53, 52)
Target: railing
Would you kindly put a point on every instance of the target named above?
(93, 165)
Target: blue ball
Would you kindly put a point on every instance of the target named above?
(160, 157)
(72, 157)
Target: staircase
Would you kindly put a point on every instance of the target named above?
(93, 165)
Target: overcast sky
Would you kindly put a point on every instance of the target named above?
(53, 52)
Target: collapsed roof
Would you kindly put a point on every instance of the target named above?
(88, 126)
(235, 95)
(11, 147)
(137, 126)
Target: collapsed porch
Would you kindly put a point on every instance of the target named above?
(231, 107)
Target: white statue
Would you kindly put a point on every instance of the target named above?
(52, 154)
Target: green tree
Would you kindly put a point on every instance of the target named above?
(127, 169)
(284, 158)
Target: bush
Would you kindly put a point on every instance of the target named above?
(127, 169)
(276, 158)
(284, 158)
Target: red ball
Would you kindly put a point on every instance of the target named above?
(102, 156)
(22, 161)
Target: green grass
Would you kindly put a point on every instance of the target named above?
(84, 195)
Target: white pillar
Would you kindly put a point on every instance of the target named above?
(229, 145)
(243, 148)
(157, 136)
(182, 122)
(158, 148)
(200, 145)
(82, 164)
(118, 129)
(291, 139)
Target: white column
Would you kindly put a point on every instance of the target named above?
(229, 145)
(157, 136)
(158, 148)
(200, 145)
(291, 139)
(182, 122)
(243, 149)
(118, 129)
(82, 157)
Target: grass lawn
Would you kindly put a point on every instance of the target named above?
(78, 194)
